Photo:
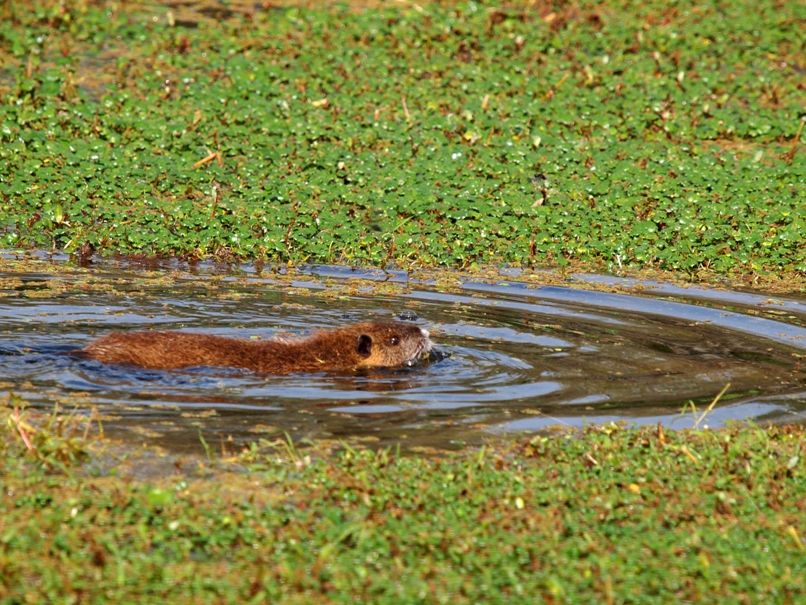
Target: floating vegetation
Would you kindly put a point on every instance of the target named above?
(643, 135)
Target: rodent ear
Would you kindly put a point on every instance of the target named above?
(364, 347)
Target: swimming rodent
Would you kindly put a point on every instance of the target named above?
(362, 345)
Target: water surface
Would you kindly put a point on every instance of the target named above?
(513, 357)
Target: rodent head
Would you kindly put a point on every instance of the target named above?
(389, 344)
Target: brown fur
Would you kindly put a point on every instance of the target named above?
(363, 345)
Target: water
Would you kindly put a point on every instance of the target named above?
(513, 358)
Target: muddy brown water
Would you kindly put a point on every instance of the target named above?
(512, 358)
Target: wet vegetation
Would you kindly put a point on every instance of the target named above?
(600, 135)
(611, 516)
(608, 134)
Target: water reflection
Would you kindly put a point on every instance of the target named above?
(515, 357)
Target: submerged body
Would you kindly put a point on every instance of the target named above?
(363, 345)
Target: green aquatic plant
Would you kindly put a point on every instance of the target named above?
(608, 514)
(55, 441)
(626, 134)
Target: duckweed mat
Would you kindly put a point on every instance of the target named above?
(609, 515)
(616, 134)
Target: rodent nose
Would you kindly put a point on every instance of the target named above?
(424, 332)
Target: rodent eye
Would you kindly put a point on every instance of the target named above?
(394, 340)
